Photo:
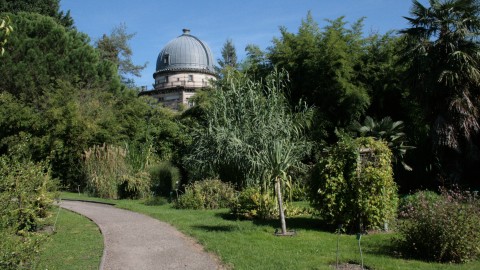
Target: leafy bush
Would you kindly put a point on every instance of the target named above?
(445, 230)
(165, 178)
(135, 186)
(25, 194)
(25, 197)
(206, 194)
(251, 203)
(356, 191)
(296, 190)
(414, 200)
(19, 252)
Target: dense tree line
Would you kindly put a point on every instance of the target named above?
(425, 76)
(266, 123)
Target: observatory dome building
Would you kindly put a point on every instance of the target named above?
(184, 65)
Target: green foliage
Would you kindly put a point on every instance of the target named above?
(49, 8)
(25, 193)
(5, 30)
(206, 194)
(446, 229)
(252, 203)
(109, 175)
(323, 68)
(441, 51)
(115, 48)
(416, 199)
(25, 197)
(229, 55)
(382, 74)
(42, 52)
(256, 63)
(246, 121)
(353, 184)
(59, 93)
(388, 131)
(165, 178)
(19, 252)
(103, 167)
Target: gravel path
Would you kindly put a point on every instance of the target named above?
(136, 241)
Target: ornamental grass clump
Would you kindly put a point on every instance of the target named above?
(110, 174)
(444, 230)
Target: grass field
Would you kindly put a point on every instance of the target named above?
(76, 244)
(244, 244)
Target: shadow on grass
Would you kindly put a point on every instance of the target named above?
(295, 223)
(218, 228)
(384, 247)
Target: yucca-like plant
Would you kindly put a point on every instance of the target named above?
(253, 136)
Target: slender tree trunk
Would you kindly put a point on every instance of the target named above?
(280, 206)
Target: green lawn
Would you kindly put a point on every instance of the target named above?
(252, 245)
(76, 244)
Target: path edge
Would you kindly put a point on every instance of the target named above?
(102, 260)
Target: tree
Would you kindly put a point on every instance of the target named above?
(322, 68)
(229, 55)
(442, 51)
(382, 75)
(42, 52)
(256, 63)
(49, 8)
(252, 137)
(115, 48)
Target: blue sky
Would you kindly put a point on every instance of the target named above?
(156, 22)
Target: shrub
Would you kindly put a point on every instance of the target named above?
(443, 230)
(296, 190)
(25, 197)
(25, 194)
(206, 194)
(414, 200)
(164, 178)
(19, 252)
(251, 203)
(135, 186)
(353, 188)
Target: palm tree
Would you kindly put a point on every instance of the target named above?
(443, 50)
(389, 131)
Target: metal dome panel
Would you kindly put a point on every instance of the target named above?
(185, 53)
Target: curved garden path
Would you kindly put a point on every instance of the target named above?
(136, 241)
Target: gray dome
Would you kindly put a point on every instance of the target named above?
(185, 53)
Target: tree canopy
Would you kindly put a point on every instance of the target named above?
(49, 8)
(115, 48)
(442, 50)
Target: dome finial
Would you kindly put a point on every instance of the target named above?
(186, 31)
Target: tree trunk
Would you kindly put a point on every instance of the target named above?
(280, 206)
